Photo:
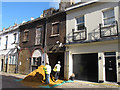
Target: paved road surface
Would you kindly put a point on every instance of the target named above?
(9, 82)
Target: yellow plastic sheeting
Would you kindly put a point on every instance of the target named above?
(37, 78)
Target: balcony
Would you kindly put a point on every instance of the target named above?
(79, 35)
(100, 33)
(109, 30)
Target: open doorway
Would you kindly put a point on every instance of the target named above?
(36, 59)
(1, 64)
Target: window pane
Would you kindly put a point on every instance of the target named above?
(14, 60)
(80, 27)
(26, 35)
(0, 41)
(38, 36)
(80, 20)
(109, 21)
(6, 59)
(15, 37)
(55, 29)
(10, 60)
(38, 32)
(34, 60)
(109, 13)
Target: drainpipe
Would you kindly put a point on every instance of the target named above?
(119, 26)
(17, 55)
(45, 41)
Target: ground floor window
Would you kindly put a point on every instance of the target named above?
(36, 61)
(12, 60)
(6, 59)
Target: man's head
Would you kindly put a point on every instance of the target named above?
(46, 63)
(58, 62)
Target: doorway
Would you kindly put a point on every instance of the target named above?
(36, 63)
(110, 66)
(85, 66)
(1, 64)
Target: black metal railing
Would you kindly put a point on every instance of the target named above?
(101, 32)
(79, 34)
(109, 30)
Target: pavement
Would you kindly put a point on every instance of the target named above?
(75, 84)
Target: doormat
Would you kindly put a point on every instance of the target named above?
(69, 81)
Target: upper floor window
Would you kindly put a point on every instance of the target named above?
(55, 28)
(38, 36)
(26, 35)
(109, 17)
(80, 23)
(14, 37)
(0, 41)
(6, 42)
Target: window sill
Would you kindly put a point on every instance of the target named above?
(78, 31)
(54, 35)
(11, 64)
(5, 49)
(108, 26)
(38, 44)
(24, 41)
(14, 43)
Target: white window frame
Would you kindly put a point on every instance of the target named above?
(0, 41)
(6, 42)
(79, 23)
(15, 37)
(52, 32)
(27, 38)
(12, 60)
(38, 36)
(107, 17)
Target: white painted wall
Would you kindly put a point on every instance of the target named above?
(95, 47)
(93, 17)
(10, 41)
(10, 33)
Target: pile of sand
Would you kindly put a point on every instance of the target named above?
(38, 76)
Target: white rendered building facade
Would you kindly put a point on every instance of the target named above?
(9, 41)
(92, 35)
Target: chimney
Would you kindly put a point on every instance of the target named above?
(32, 18)
(41, 16)
(23, 21)
(15, 24)
(65, 3)
(3, 29)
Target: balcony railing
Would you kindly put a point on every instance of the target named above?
(109, 30)
(100, 33)
(79, 34)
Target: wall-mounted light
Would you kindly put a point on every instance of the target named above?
(100, 58)
(29, 58)
(118, 57)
